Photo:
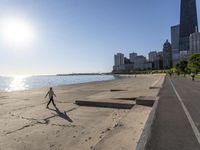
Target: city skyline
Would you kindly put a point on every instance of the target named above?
(74, 37)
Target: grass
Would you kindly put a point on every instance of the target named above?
(198, 76)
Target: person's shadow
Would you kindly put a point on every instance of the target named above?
(61, 114)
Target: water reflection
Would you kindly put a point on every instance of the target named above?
(18, 83)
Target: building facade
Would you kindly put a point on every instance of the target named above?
(159, 61)
(175, 36)
(119, 59)
(152, 56)
(123, 64)
(194, 43)
(167, 55)
(188, 23)
(175, 44)
(139, 62)
(119, 62)
(132, 57)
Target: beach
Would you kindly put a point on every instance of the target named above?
(25, 123)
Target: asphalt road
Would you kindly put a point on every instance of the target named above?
(177, 123)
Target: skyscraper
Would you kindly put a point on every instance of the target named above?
(188, 23)
(167, 55)
(119, 59)
(132, 57)
(152, 56)
(175, 44)
(195, 43)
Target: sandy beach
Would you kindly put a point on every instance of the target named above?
(26, 124)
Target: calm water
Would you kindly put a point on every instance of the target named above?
(31, 82)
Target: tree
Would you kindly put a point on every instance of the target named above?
(194, 63)
(182, 66)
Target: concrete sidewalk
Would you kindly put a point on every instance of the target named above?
(171, 128)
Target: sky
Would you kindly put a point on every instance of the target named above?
(77, 36)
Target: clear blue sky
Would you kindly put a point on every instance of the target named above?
(83, 35)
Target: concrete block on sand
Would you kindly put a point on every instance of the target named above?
(117, 90)
(146, 101)
(106, 103)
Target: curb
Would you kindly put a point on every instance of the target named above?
(146, 134)
(146, 101)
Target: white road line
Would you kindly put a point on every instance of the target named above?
(194, 128)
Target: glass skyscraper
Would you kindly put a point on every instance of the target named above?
(188, 23)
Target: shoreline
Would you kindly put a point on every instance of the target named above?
(116, 77)
(27, 124)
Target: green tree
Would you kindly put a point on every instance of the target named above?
(194, 63)
(182, 67)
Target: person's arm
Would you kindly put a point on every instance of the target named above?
(46, 94)
(54, 94)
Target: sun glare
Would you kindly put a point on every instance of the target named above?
(17, 32)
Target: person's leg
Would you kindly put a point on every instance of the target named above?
(48, 103)
(53, 102)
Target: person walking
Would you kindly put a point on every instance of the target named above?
(193, 76)
(51, 94)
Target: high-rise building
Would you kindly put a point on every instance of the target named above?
(167, 55)
(175, 44)
(175, 36)
(195, 43)
(119, 59)
(159, 61)
(140, 62)
(188, 23)
(152, 56)
(132, 57)
(126, 61)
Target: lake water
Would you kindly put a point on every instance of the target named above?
(16, 83)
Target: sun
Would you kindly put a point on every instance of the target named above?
(17, 32)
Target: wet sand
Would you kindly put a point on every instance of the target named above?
(26, 124)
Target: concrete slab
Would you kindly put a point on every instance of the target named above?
(126, 98)
(106, 103)
(117, 90)
(126, 132)
(146, 101)
(153, 87)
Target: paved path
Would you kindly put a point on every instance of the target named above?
(177, 123)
